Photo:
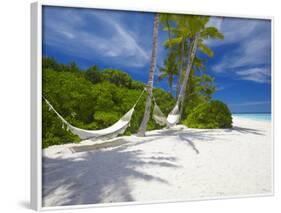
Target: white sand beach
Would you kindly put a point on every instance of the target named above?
(170, 164)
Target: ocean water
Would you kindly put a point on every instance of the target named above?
(253, 116)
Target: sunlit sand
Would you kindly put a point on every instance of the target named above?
(166, 165)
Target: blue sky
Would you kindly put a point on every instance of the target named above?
(123, 40)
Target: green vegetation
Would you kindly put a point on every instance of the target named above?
(169, 70)
(209, 115)
(91, 99)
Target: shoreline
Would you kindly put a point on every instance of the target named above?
(238, 116)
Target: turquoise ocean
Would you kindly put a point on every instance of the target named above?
(254, 116)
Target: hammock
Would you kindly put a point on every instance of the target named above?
(110, 132)
(159, 117)
(174, 116)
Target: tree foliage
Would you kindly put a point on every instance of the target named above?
(169, 70)
(210, 115)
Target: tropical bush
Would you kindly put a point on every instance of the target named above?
(210, 115)
(92, 99)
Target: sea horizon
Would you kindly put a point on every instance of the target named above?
(251, 112)
(258, 116)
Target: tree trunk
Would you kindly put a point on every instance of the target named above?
(146, 116)
(180, 68)
(187, 72)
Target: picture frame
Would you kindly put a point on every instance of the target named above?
(36, 101)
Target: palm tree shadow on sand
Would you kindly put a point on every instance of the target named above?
(201, 134)
(245, 130)
(183, 136)
(91, 178)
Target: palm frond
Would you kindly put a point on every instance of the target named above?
(205, 49)
(211, 33)
(172, 42)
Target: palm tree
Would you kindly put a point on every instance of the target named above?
(142, 129)
(190, 33)
(174, 41)
(166, 21)
(169, 70)
(198, 32)
(179, 41)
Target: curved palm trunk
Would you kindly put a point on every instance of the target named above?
(180, 68)
(146, 115)
(187, 72)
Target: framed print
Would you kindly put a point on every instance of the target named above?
(139, 106)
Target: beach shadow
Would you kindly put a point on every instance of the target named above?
(201, 134)
(186, 136)
(190, 143)
(244, 130)
(107, 144)
(91, 178)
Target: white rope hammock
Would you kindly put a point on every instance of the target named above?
(159, 117)
(110, 132)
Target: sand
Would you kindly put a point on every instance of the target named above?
(166, 165)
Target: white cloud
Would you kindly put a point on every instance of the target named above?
(215, 22)
(69, 30)
(234, 29)
(259, 75)
(249, 52)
